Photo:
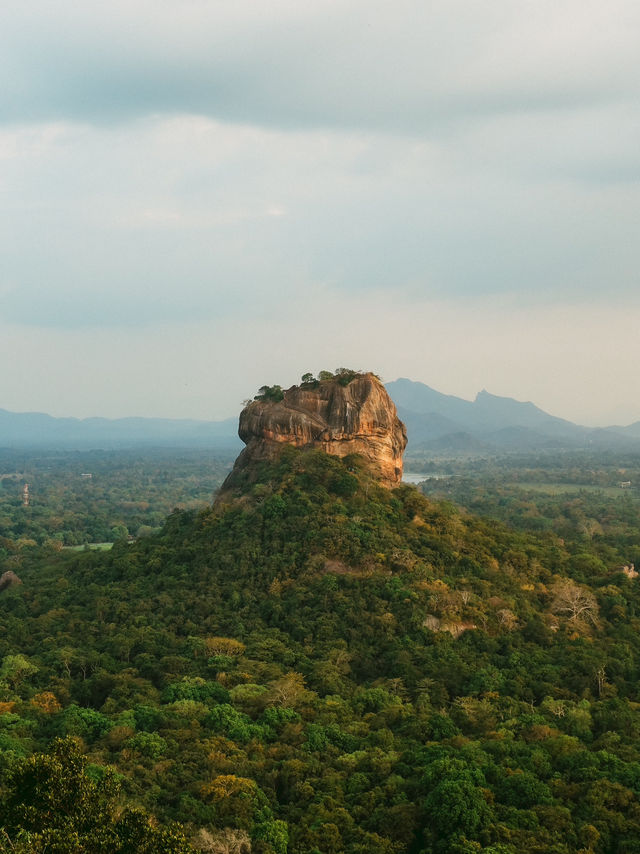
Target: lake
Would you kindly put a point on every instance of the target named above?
(413, 477)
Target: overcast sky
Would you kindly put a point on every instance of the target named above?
(200, 197)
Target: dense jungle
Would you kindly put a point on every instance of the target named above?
(322, 665)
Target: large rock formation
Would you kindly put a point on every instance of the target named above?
(341, 418)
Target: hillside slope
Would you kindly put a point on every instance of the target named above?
(327, 665)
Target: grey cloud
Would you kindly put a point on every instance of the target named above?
(420, 187)
(433, 149)
(181, 219)
(407, 66)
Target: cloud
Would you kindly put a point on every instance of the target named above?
(402, 67)
(443, 183)
(176, 218)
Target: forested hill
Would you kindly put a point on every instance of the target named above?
(323, 665)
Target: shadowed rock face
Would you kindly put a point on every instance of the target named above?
(8, 579)
(359, 418)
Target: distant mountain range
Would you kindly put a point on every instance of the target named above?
(435, 422)
(443, 423)
(22, 429)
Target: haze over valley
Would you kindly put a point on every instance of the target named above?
(437, 423)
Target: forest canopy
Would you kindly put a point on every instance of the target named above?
(326, 665)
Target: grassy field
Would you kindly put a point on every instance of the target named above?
(94, 546)
(574, 488)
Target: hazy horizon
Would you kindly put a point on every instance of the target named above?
(202, 198)
(232, 415)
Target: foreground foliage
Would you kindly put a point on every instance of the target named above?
(327, 666)
(51, 804)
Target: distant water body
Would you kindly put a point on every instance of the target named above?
(413, 477)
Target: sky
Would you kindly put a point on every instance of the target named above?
(199, 197)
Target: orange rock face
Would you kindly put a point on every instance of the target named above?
(358, 418)
(8, 579)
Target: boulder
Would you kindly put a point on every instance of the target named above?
(8, 579)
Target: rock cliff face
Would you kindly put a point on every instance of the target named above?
(357, 418)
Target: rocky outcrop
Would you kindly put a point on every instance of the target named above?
(8, 579)
(340, 418)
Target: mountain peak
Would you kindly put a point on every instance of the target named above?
(432, 416)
